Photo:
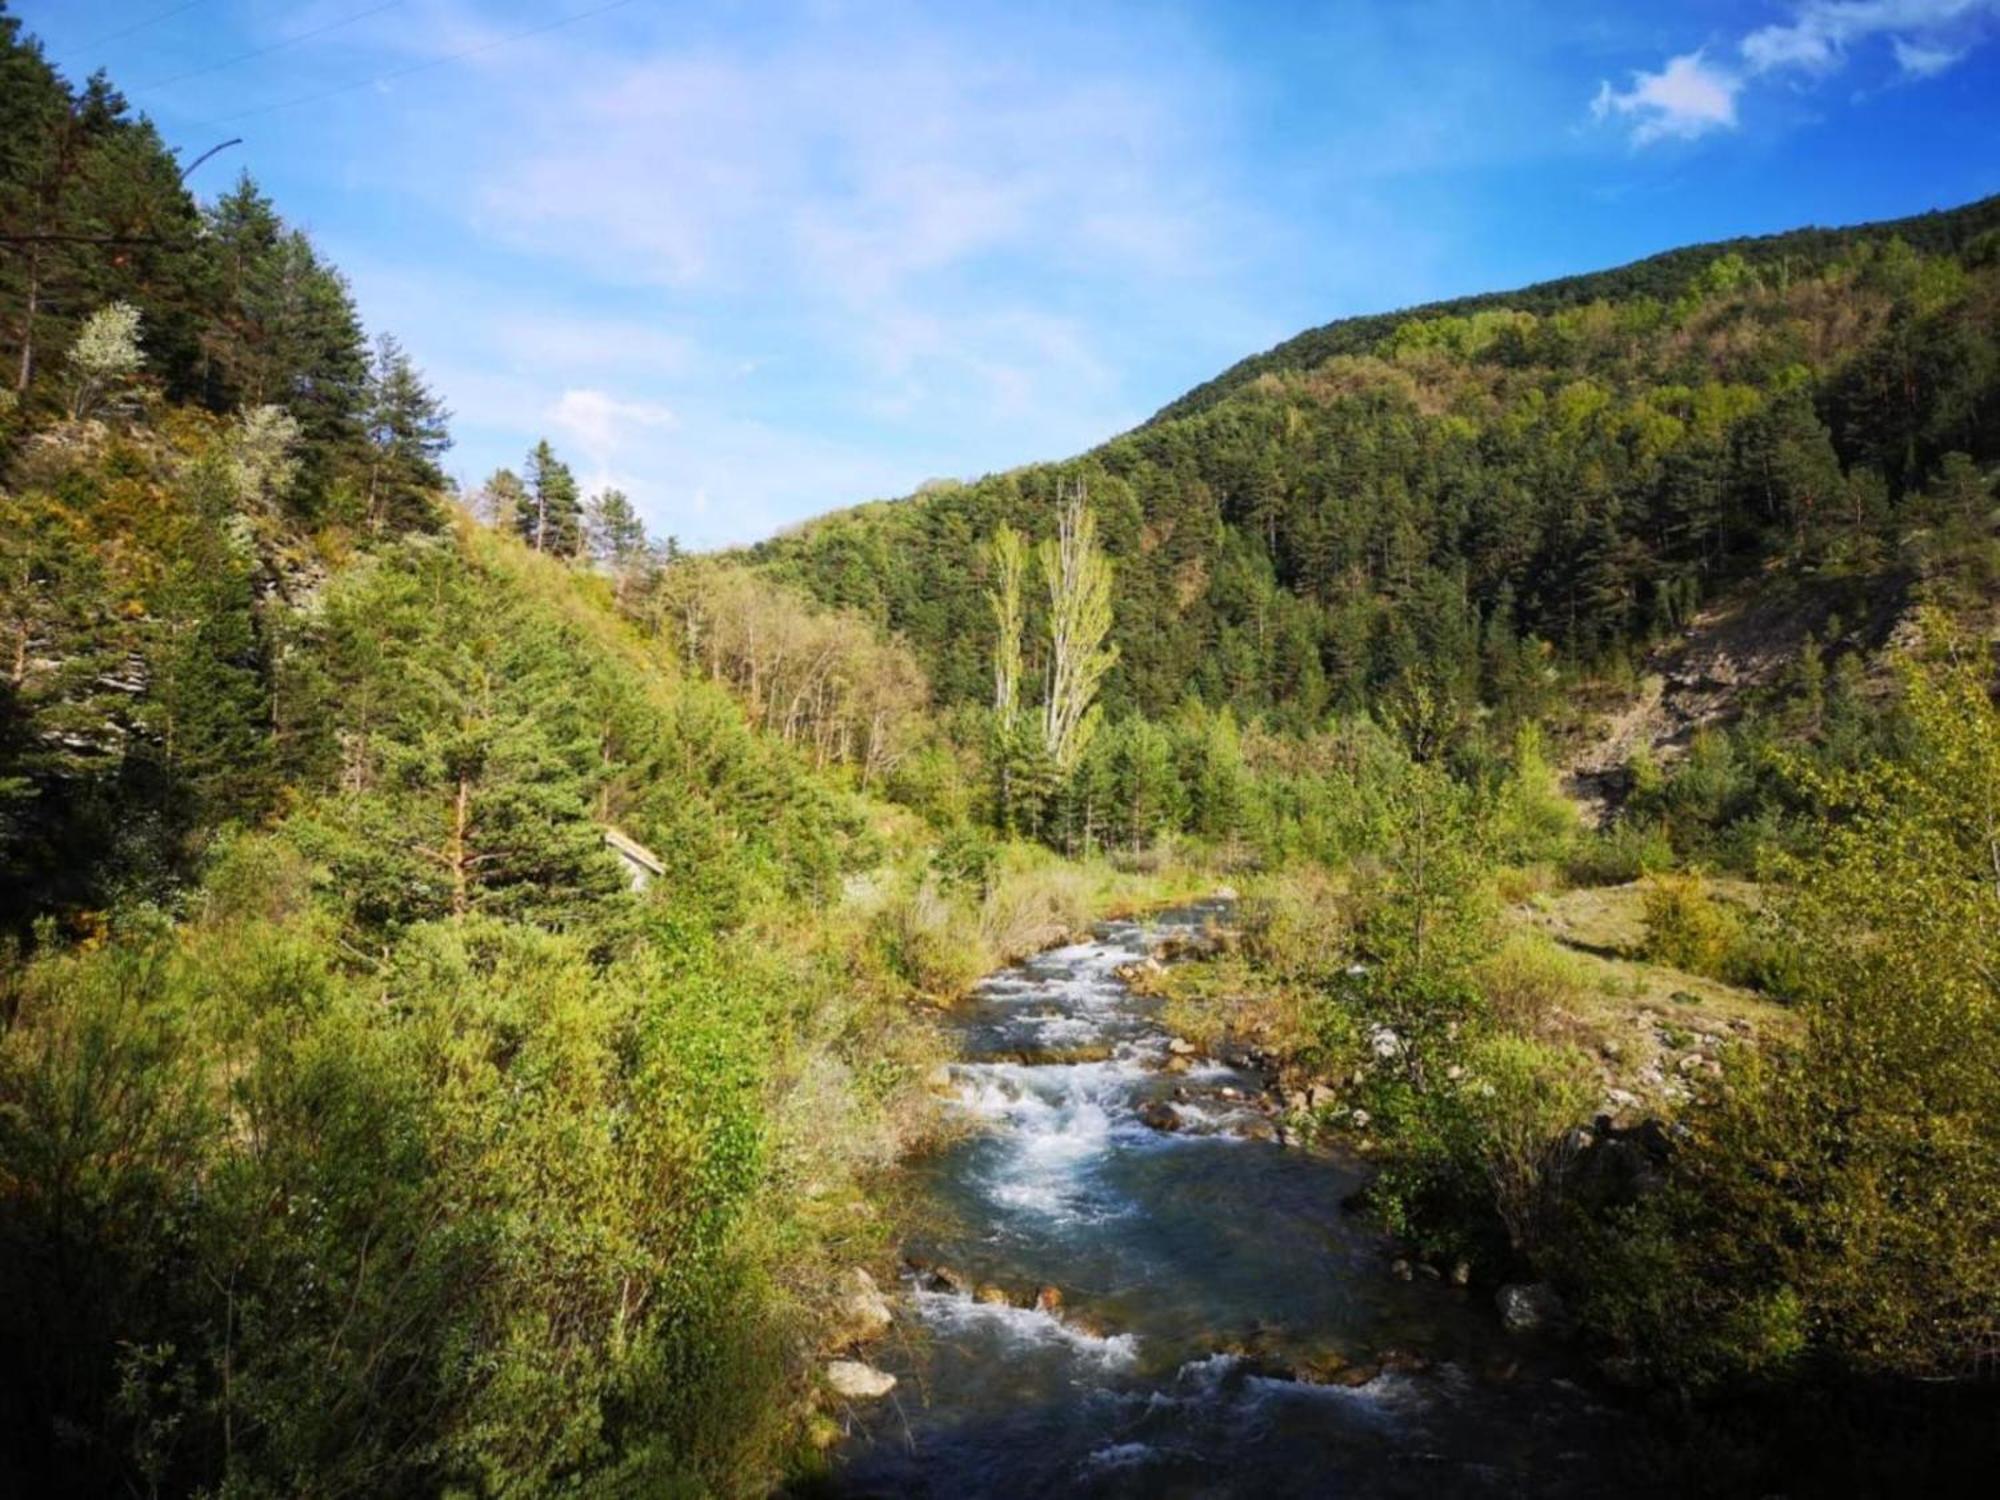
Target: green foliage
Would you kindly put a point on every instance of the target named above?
(1534, 822)
(1835, 1202)
(1686, 926)
(1524, 1099)
(1528, 980)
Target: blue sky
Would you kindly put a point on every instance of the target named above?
(754, 261)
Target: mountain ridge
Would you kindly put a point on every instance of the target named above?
(1934, 230)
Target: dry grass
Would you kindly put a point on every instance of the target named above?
(1655, 1031)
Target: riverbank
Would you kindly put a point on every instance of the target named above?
(1105, 1304)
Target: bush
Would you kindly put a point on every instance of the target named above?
(1627, 850)
(1528, 979)
(1525, 1100)
(1689, 929)
(1296, 928)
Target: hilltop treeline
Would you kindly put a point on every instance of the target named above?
(1484, 497)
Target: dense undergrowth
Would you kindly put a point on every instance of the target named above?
(1801, 1265)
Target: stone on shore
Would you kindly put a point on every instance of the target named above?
(858, 1382)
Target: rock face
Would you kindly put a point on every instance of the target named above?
(1528, 1307)
(858, 1382)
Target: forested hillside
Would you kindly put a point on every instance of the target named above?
(1477, 492)
(364, 1127)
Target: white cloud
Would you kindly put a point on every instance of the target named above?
(601, 426)
(1690, 96)
(1687, 98)
(1821, 32)
(1920, 61)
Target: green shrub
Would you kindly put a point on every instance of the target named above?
(1528, 979)
(1296, 928)
(1629, 849)
(1688, 928)
(1524, 1101)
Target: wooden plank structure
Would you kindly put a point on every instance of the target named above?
(642, 865)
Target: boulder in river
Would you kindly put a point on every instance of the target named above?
(858, 1382)
(1049, 1299)
(1061, 1057)
(1180, 1046)
(1526, 1307)
(1157, 1114)
(992, 1296)
(944, 1279)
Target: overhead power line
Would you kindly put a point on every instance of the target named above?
(422, 67)
(265, 51)
(138, 26)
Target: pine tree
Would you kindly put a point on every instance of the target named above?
(552, 519)
(616, 534)
(502, 500)
(405, 427)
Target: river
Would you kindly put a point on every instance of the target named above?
(1198, 1268)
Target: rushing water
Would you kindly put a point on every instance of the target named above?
(1197, 1268)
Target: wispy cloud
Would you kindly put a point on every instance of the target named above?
(1694, 94)
(1919, 60)
(899, 233)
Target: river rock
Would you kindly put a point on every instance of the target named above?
(1528, 1307)
(1180, 1046)
(1049, 1299)
(992, 1296)
(1061, 1057)
(1353, 1375)
(865, 1312)
(1319, 1097)
(1157, 1114)
(858, 1382)
(944, 1279)
(1177, 1065)
(1225, 893)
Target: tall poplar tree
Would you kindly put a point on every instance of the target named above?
(1079, 579)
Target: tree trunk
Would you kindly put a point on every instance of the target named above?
(27, 369)
(460, 821)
